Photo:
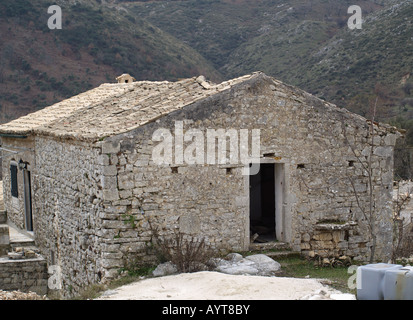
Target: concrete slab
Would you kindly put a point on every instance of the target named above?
(19, 239)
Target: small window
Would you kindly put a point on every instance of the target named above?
(13, 175)
(269, 155)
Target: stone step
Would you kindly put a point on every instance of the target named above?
(3, 217)
(274, 245)
(282, 254)
(25, 275)
(20, 239)
(273, 249)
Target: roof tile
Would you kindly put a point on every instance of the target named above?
(115, 108)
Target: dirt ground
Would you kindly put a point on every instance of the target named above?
(218, 286)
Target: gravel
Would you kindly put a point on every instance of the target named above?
(18, 295)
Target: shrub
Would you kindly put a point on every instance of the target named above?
(186, 252)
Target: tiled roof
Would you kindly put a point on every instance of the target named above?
(33, 121)
(115, 108)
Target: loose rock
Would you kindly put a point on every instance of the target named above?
(165, 269)
(233, 263)
(258, 264)
(18, 295)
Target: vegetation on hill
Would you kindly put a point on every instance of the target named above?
(307, 44)
(221, 30)
(303, 43)
(39, 66)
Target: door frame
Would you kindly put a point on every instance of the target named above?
(282, 203)
(27, 198)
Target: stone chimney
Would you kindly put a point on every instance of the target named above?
(125, 78)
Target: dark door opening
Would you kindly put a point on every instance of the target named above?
(28, 200)
(262, 204)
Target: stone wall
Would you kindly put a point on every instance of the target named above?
(93, 202)
(24, 151)
(67, 211)
(311, 138)
(1, 166)
(24, 275)
(4, 239)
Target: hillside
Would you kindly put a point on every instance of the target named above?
(39, 66)
(303, 43)
(307, 44)
(374, 61)
(221, 30)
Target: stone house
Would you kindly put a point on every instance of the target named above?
(81, 178)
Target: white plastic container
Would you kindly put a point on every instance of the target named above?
(370, 280)
(398, 284)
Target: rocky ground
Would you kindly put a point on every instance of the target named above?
(17, 295)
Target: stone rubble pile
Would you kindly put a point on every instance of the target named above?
(233, 263)
(18, 295)
(22, 253)
(257, 264)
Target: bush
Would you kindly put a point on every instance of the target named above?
(187, 253)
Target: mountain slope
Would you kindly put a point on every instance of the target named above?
(349, 68)
(221, 30)
(303, 43)
(39, 66)
(376, 60)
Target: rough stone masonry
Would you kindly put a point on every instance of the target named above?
(97, 192)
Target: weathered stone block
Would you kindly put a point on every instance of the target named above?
(141, 163)
(125, 181)
(125, 194)
(110, 195)
(306, 237)
(390, 139)
(110, 147)
(323, 236)
(383, 151)
(338, 236)
(189, 224)
(112, 263)
(110, 170)
(4, 239)
(3, 215)
(103, 159)
(109, 182)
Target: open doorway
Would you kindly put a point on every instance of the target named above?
(28, 200)
(266, 203)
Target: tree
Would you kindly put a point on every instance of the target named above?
(370, 213)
